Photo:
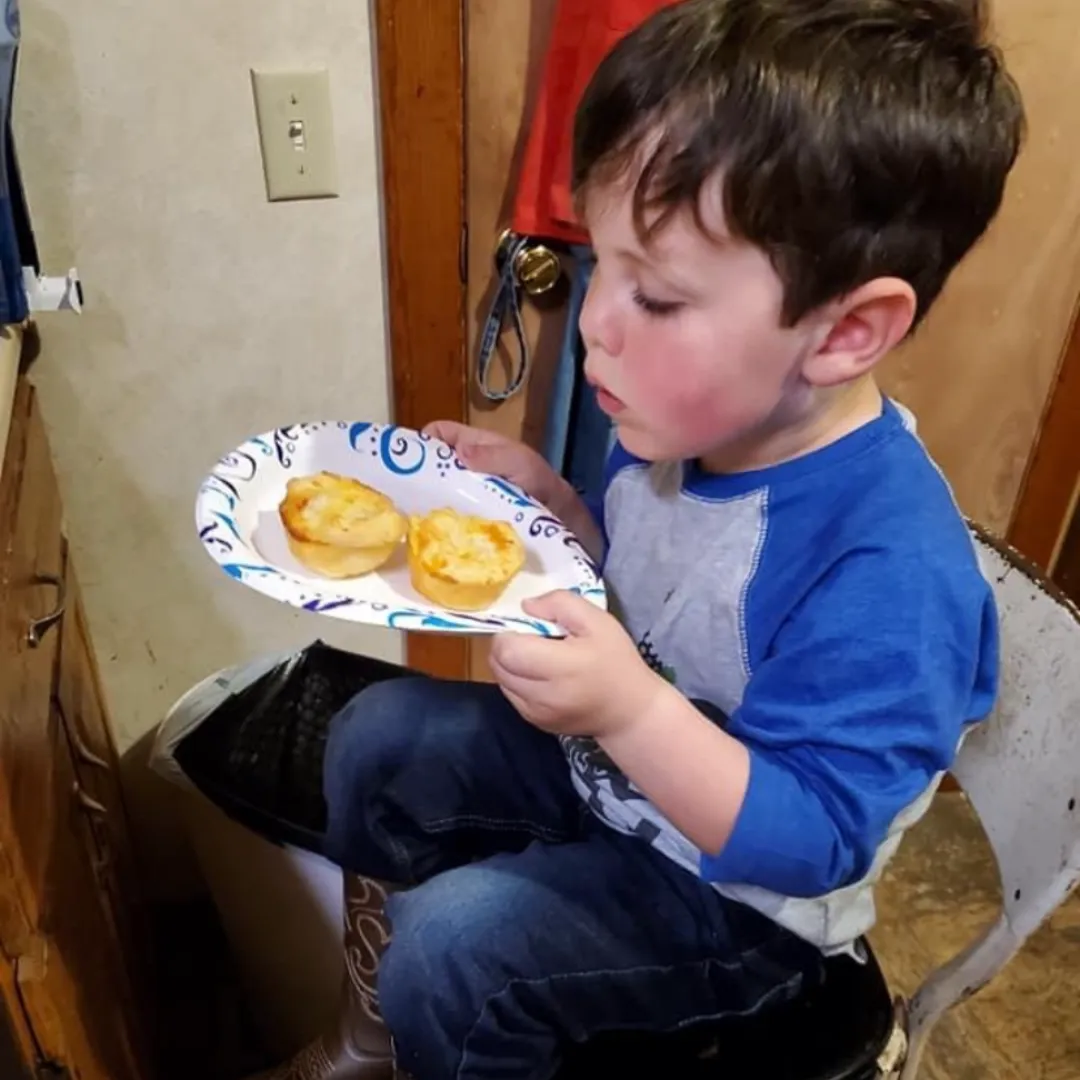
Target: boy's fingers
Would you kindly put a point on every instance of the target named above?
(448, 431)
(566, 609)
(525, 656)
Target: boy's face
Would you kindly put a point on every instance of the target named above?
(685, 346)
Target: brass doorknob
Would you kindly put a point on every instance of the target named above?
(536, 268)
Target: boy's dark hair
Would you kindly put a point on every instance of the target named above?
(855, 138)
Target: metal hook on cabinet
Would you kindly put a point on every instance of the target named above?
(82, 751)
(88, 802)
(38, 628)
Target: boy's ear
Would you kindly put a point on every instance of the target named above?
(859, 330)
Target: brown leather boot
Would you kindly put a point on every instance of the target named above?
(358, 1046)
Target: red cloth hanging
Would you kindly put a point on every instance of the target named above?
(583, 33)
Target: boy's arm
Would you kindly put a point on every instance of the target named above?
(859, 706)
(693, 772)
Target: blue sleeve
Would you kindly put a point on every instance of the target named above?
(859, 704)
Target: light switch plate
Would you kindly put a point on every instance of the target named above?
(296, 131)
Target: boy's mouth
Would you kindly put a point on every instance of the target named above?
(607, 401)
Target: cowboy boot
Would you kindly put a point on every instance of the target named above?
(357, 1046)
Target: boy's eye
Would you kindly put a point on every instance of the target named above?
(657, 308)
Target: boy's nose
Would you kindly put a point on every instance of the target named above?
(599, 321)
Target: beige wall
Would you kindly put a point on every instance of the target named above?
(210, 314)
(980, 372)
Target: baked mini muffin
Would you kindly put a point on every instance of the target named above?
(461, 562)
(339, 527)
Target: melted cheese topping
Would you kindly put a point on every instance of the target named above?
(470, 550)
(331, 509)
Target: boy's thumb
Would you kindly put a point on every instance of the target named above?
(566, 609)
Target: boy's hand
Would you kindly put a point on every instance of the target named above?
(499, 455)
(593, 682)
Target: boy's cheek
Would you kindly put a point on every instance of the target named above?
(684, 410)
(671, 427)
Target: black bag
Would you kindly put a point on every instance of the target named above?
(259, 754)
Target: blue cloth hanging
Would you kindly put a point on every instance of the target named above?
(17, 248)
(505, 304)
(578, 436)
(567, 368)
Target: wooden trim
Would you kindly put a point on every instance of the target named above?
(1067, 568)
(18, 1051)
(506, 47)
(421, 101)
(1047, 496)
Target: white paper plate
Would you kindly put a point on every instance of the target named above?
(237, 519)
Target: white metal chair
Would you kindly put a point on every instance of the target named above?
(1021, 773)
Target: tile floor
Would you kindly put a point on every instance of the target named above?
(940, 893)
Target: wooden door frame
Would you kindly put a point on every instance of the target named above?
(420, 91)
(1047, 500)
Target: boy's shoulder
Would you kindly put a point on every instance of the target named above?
(882, 501)
(874, 546)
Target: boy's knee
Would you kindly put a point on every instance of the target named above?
(371, 734)
(446, 959)
(370, 741)
(438, 930)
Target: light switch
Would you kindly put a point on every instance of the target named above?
(296, 131)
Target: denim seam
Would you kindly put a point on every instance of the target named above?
(499, 824)
(635, 971)
(401, 854)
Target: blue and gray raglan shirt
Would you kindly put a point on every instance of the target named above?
(828, 612)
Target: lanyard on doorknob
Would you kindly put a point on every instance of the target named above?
(522, 266)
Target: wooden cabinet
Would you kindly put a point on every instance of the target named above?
(70, 944)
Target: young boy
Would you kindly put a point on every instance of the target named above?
(675, 811)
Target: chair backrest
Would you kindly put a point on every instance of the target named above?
(1021, 772)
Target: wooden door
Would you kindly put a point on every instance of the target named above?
(1046, 525)
(1051, 493)
(980, 374)
(70, 981)
(1067, 571)
(80, 702)
(58, 932)
(19, 1056)
(31, 573)
(420, 76)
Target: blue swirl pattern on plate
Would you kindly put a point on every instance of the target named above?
(250, 480)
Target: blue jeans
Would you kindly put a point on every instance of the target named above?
(527, 923)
